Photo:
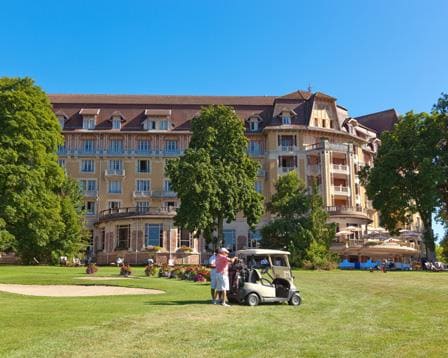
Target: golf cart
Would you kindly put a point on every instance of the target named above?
(261, 275)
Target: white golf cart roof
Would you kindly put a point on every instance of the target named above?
(258, 252)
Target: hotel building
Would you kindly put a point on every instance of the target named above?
(116, 146)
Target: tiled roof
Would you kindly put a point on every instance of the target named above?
(379, 121)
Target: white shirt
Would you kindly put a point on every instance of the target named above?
(212, 261)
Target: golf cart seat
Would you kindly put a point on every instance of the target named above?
(255, 276)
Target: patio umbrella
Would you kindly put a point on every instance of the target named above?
(343, 232)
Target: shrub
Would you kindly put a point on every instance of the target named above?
(319, 257)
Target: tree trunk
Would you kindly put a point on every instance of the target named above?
(428, 237)
(220, 230)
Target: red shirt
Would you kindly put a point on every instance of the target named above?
(222, 264)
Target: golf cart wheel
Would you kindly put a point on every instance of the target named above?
(252, 299)
(295, 300)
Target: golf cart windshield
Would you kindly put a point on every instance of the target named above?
(272, 262)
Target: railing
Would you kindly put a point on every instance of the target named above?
(314, 168)
(338, 210)
(339, 168)
(114, 172)
(287, 148)
(90, 193)
(283, 170)
(255, 152)
(164, 194)
(339, 189)
(261, 173)
(172, 152)
(141, 194)
(130, 211)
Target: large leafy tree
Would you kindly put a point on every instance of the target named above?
(215, 178)
(300, 222)
(36, 216)
(406, 177)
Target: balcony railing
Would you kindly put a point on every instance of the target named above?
(131, 211)
(172, 152)
(346, 210)
(340, 189)
(164, 194)
(114, 172)
(339, 168)
(314, 168)
(141, 194)
(287, 148)
(261, 173)
(284, 170)
(255, 152)
(90, 193)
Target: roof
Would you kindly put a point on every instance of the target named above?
(262, 252)
(379, 121)
(159, 99)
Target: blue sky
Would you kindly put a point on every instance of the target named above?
(371, 55)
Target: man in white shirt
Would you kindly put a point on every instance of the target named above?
(212, 265)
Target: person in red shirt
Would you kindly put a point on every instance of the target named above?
(222, 274)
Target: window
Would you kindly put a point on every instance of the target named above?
(149, 125)
(87, 185)
(114, 205)
(116, 146)
(183, 238)
(143, 166)
(229, 239)
(88, 122)
(254, 237)
(143, 185)
(116, 123)
(142, 206)
(87, 166)
(115, 186)
(88, 146)
(154, 234)
(253, 125)
(259, 187)
(143, 146)
(115, 164)
(61, 120)
(331, 124)
(164, 125)
(286, 120)
(316, 122)
(254, 147)
(101, 240)
(90, 207)
(171, 146)
(61, 163)
(167, 185)
(123, 236)
(324, 123)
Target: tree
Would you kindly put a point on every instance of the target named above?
(215, 178)
(300, 224)
(405, 178)
(440, 112)
(31, 181)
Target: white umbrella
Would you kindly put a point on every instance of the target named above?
(343, 232)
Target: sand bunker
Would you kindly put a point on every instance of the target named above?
(74, 290)
(102, 278)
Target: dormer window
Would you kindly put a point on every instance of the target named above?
(286, 119)
(116, 123)
(62, 117)
(254, 122)
(89, 117)
(88, 123)
(157, 119)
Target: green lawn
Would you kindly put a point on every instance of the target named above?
(397, 314)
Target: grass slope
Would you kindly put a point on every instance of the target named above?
(343, 313)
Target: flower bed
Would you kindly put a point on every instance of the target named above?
(197, 273)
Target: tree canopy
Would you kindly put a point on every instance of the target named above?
(300, 223)
(215, 178)
(407, 175)
(40, 212)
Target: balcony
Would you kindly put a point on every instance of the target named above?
(341, 190)
(348, 211)
(115, 152)
(141, 194)
(90, 193)
(261, 173)
(287, 148)
(285, 170)
(340, 169)
(119, 213)
(255, 152)
(172, 152)
(143, 152)
(164, 194)
(114, 172)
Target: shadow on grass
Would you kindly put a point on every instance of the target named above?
(178, 303)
